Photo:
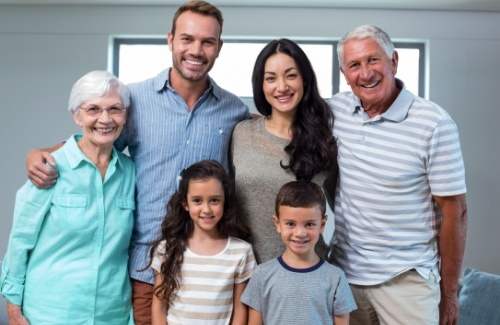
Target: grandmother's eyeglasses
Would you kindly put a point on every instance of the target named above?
(97, 111)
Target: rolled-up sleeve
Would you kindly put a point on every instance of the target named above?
(31, 206)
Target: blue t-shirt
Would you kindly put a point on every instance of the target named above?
(285, 295)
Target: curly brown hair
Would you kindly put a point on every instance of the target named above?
(177, 227)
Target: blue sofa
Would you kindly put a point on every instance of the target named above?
(479, 298)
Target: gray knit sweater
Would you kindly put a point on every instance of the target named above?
(256, 156)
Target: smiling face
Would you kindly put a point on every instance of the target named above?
(300, 229)
(205, 204)
(101, 131)
(283, 85)
(370, 73)
(195, 46)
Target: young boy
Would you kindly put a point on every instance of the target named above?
(298, 287)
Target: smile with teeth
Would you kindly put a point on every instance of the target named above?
(194, 62)
(104, 130)
(283, 98)
(371, 85)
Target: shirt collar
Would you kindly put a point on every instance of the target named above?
(161, 81)
(75, 156)
(398, 110)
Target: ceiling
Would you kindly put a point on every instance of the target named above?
(469, 5)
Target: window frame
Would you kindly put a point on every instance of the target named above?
(421, 46)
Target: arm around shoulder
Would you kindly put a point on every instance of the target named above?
(39, 173)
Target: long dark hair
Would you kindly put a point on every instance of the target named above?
(312, 148)
(177, 226)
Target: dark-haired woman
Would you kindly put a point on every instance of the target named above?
(292, 141)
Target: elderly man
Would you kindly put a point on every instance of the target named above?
(400, 209)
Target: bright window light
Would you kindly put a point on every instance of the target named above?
(139, 59)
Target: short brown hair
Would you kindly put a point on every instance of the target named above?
(301, 194)
(199, 7)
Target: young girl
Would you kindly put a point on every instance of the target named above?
(201, 266)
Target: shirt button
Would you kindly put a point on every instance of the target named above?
(187, 142)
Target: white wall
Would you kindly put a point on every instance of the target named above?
(44, 49)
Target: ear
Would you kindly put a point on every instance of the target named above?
(277, 224)
(394, 60)
(343, 73)
(170, 40)
(221, 42)
(323, 223)
(77, 118)
(185, 205)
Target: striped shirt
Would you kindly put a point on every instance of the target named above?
(391, 166)
(163, 137)
(207, 284)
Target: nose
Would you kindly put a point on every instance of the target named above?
(196, 49)
(105, 116)
(282, 85)
(366, 71)
(300, 231)
(206, 208)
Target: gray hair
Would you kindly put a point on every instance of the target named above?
(362, 32)
(94, 85)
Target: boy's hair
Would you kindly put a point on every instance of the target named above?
(198, 7)
(178, 226)
(300, 194)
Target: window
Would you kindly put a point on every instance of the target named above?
(136, 59)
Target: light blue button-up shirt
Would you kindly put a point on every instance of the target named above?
(163, 137)
(67, 257)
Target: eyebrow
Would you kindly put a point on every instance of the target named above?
(287, 70)
(204, 38)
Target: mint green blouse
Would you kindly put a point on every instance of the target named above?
(66, 261)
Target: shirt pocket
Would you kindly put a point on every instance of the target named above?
(71, 211)
(217, 138)
(124, 216)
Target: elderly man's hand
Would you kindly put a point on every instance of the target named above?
(448, 311)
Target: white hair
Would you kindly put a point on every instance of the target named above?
(94, 85)
(366, 31)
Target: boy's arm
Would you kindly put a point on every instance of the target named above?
(159, 306)
(240, 310)
(341, 319)
(254, 317)
(39, 173)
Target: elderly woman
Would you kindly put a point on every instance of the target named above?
(66, 262)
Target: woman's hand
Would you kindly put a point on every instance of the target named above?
(16, 316)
